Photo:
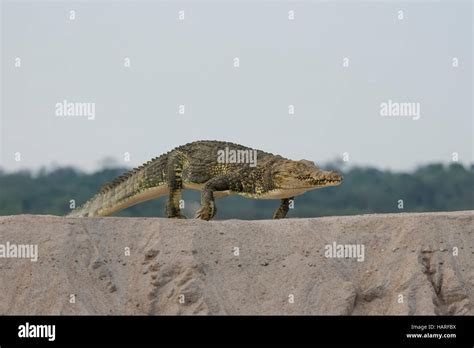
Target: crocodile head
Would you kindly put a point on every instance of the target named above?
(289, 175)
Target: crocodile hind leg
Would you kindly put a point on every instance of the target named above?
(282, 210)
(175, 186)
(172, 206)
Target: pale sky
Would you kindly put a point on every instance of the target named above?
(47, 58)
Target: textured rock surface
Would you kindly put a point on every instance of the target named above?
(413, 264)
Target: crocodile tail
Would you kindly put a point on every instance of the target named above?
(135, 186)
(113, 197)
(90, 208)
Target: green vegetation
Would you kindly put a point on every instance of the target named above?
(433, 187)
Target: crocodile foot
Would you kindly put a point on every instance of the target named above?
(206, 212)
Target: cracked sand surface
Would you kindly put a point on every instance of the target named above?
(414, 263)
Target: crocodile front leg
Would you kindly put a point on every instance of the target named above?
(282, 210)
(208, 205)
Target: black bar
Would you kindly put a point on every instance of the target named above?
(242, 329)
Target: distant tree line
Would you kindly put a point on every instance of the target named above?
(433, 187)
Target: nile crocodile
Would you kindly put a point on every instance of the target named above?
(216, 169)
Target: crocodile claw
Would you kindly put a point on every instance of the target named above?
(206, 213)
